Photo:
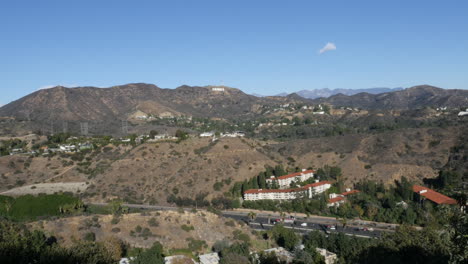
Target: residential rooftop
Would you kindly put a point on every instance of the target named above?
(432, 195)
(303, 188)
(295, 174)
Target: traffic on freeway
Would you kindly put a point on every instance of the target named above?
(300, 225)
(304, 226)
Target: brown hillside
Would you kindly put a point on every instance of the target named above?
(165, 228)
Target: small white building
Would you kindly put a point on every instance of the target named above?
(286, 180)
(463, 113)
(67, 148)
(234, 134)
(338, 199)
(207, 134)
(307, 191)
(16, 151)
(161, 137)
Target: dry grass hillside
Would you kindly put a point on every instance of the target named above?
(413, 153)
(151, 172)
(146, 173)
(174, 230)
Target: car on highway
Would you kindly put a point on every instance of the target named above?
(331, 227)
(304, 224)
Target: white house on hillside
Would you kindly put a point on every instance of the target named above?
(307, 191)
(207, 134)
(286, 180)
(463, 113)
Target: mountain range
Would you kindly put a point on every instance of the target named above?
(326, 92)
(109, 106)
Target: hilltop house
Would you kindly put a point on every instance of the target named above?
(67, 148)
(233, 134)
(161, 137)
(207, 134)
(286, 180)
(438, 198)
(463, 113)
(307, 191)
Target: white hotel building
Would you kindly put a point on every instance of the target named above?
(307, 191)
(286, 180)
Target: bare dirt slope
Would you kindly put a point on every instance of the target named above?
(167, 227)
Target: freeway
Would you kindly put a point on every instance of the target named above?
(264, 221)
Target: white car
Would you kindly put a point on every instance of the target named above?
(304, 224)
(332, 227)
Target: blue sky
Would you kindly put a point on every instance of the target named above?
(265, 47)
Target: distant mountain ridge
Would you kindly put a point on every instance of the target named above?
(410, 98)
(325, 92)
(108, 107)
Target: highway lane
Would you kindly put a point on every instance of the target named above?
(263, 221)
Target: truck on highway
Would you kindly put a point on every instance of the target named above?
(284, 220)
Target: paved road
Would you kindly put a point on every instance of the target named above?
(264, 221)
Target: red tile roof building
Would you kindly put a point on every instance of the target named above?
(432, 195)
(337, 199)
(286, 180)
(308, 191)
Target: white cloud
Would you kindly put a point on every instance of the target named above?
(328, 47)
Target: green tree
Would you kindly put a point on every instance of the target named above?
(153, 255)
(116, 207)
(459, 238)
(252, 215)
(285, 237)
(279, 171)
(153, 133)
(181, 135)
